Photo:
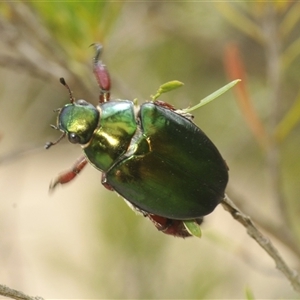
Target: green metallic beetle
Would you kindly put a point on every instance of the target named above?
(152, 155)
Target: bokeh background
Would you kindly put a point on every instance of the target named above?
(82, 241)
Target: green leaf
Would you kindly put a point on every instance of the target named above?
(249, 294)
(167, 87)
(193, 228)
(212, 96)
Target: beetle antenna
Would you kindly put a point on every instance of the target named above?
(63, 82)
(49, 144)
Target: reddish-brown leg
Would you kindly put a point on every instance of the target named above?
(169, 226)
(164, 104)
(70, 174)
(102, 75)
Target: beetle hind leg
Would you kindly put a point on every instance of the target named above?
(170, 226)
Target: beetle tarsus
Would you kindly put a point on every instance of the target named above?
(98, 47)
(101, 74)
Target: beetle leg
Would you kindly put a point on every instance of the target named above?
(171, 107)
(69, 174)
(105, 183)
(102, 75)
(169, 226)
(164, 104)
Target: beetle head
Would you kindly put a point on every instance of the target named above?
(77, 120)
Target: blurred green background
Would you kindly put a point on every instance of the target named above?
(83, 242)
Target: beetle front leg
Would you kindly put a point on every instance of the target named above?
(102, 75)
(69, 174)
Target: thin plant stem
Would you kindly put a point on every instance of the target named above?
(14, 294)
(263, 241)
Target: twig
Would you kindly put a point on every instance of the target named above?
(281, 232)
(14, 294)
(263, 241)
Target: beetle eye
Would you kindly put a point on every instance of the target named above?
(73, 138)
